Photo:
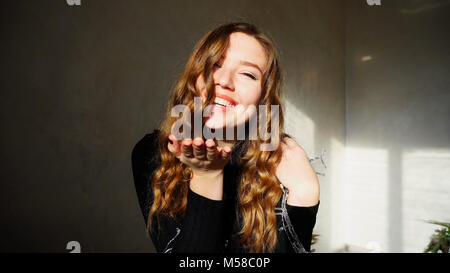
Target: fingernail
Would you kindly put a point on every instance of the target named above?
(197, 144)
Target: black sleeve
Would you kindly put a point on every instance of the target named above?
(201, 227)
(303, 220)
(145, 160)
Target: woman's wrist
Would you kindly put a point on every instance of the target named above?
(207, 183)
(207, 174)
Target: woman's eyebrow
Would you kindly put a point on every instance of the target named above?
(251, 64)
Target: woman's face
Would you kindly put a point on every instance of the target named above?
(237, 78)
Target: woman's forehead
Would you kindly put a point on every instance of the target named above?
(246, 49)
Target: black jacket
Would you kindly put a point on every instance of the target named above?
(208, 225)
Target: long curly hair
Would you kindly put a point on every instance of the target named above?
(259, 189)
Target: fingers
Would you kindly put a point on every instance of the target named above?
(211, 149)
(186, 148)
(213, 152)
(199, 149)
(226, 152)
(174, 146)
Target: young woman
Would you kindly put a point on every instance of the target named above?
(213, 195)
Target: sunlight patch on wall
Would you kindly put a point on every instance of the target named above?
(367, 175)
(300, 126)
(339, 199)
(425, 195)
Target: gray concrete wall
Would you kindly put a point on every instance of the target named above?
(398, 148)
(81, 85)
(315, 101)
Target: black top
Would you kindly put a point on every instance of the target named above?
(208, 225)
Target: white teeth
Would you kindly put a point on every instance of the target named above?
(223, 102)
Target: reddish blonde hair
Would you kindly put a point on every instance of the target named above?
(259, 189)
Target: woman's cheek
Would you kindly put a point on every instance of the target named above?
(252, 95)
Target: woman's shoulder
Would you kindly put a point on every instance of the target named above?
(146, 150)
(145, 159)
(148, 141)
(296, 173)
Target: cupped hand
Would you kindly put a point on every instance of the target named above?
(202, 157)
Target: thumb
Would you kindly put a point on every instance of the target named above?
(174, 146)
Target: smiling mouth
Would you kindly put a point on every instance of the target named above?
(223, 102)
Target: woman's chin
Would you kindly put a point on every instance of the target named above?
(220, 122)
(223, 120)
(215, 122)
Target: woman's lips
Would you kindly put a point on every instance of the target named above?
(225, 97)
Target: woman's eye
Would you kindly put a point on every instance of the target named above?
(216, 65)
(250, 76)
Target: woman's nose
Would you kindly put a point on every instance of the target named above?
(224, 78)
